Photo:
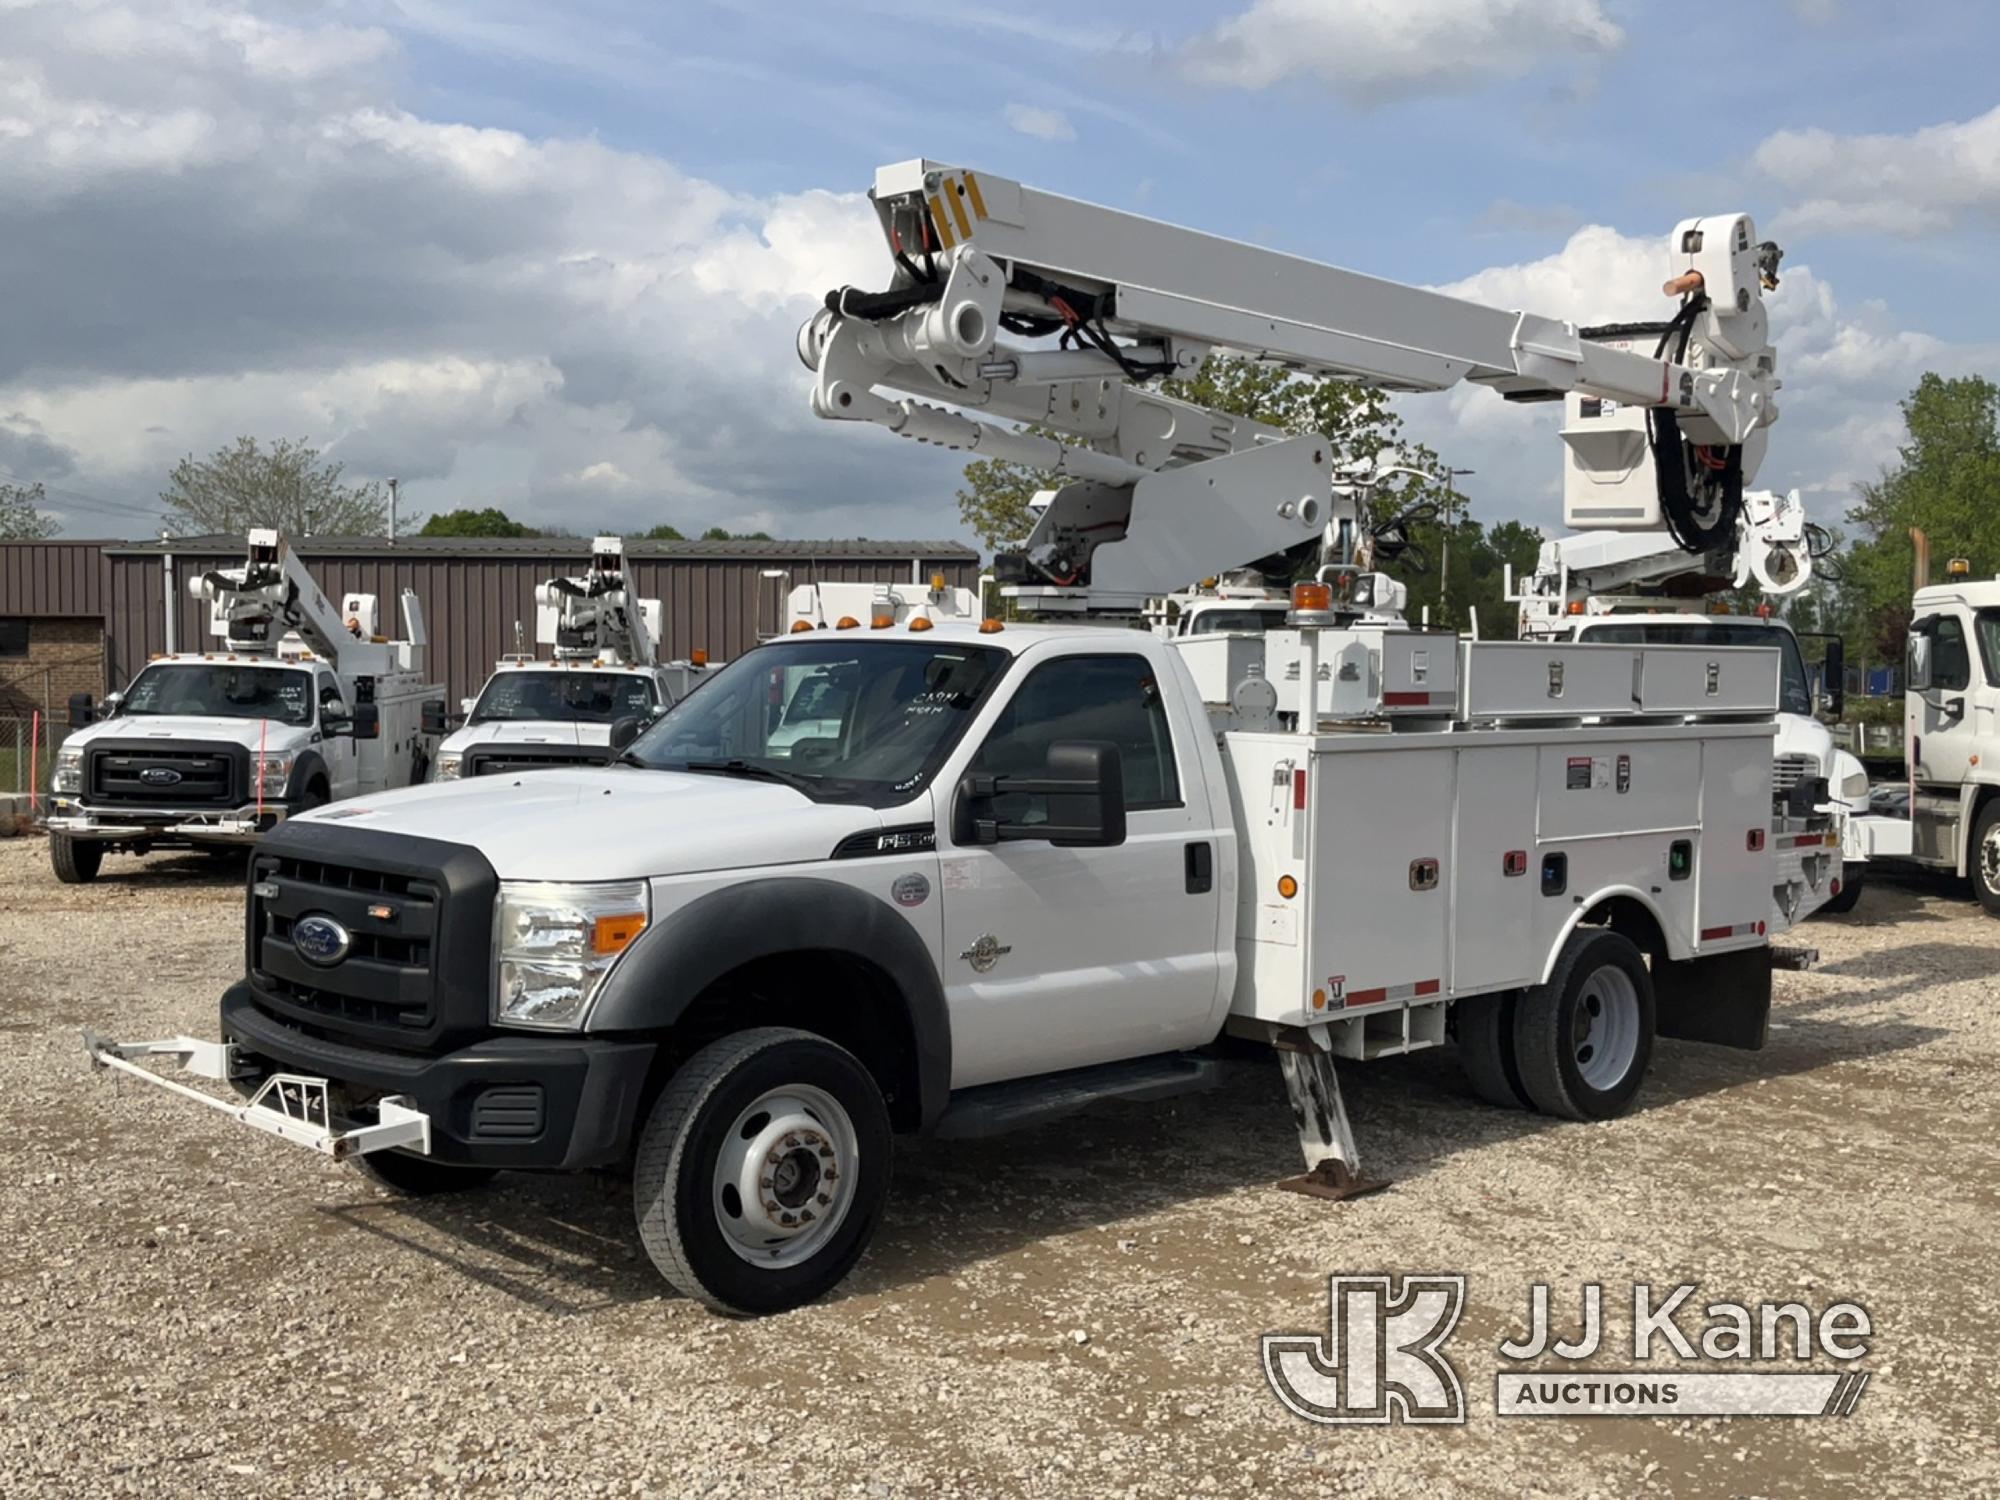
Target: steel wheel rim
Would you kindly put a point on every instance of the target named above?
(1604, 1030)
(785, 1176)
(1989, 858)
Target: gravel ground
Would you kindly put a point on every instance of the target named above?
(188, 1308)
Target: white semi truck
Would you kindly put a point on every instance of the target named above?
(1020, 867)
(601, 684)
(1951, 737)
(302, 705)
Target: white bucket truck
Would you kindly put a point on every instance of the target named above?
(1016, 868)
(302, 705)
(601, 684)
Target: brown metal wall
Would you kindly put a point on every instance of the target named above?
(719, 605)
(52, 578)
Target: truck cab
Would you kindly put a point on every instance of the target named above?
(531, 715)
(1951, 733)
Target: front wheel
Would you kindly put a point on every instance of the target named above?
(75, 861)
(1582, 1040)
(762, 1171)
(1984, 865)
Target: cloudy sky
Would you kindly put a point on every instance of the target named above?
(551, 257)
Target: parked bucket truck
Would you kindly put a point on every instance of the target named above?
(1016, 868)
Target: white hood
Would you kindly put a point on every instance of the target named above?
(618, 823)
(272, 734)
(526, 732)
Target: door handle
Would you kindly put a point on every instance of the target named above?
(1200, 862)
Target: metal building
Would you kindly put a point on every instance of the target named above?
(92, 612)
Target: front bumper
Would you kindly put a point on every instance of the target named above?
(566, 1102)
(239, 825)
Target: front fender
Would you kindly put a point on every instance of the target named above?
(677, 958)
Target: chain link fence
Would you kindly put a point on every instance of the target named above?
(28, 753)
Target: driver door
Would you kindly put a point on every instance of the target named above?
(337, 750)
(1056, 957)
(1941, 720)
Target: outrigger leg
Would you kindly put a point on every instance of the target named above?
(1333, 1166)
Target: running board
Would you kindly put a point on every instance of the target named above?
(997, 1108)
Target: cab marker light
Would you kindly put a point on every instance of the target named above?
(990, 627)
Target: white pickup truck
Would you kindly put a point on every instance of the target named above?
(1014, 870)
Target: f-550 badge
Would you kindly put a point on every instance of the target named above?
(986, 951)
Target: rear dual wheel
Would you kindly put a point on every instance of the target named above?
(1577, 1046)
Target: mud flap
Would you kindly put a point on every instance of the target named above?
(1722, 998)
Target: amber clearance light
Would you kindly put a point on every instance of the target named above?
(614, 934)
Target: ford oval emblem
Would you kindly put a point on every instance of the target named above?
(320, 940)
(159, 776)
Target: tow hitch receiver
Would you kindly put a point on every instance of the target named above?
(294, 1107)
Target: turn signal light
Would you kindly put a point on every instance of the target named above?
(921, 622)
(615, 934)
(1287, 887)
(1314, 597)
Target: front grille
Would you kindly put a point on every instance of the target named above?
(495, 760)
(416, 975)
(383, 981)
(1789, 770)
(164, 773)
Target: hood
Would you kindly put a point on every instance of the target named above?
(527, 732)
(249, 733)
(1800, 735)
(618, 823)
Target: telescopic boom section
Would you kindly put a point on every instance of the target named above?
(594, 617)
(1104, 302)
(261, 607)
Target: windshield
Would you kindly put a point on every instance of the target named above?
(567, 697)
(1215, 621)
(1794, 694)
(227, 690)
(841, 720)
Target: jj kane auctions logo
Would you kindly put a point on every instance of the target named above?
(1383, 1356)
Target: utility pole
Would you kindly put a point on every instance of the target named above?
(393, 483)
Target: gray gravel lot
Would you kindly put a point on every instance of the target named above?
(188, 1308)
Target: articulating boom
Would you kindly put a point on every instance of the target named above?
(1160, 491)
(271, 597)
(595, 617)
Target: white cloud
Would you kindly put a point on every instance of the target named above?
(1920, 183)
(1042, 124)
(1373, 50)
(1844, 369)
(233, 226)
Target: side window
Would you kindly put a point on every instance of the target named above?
(1108, 699)
(1951, 661)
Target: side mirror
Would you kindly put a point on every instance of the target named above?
(361, 722)
(1920, 662)
(112, 707)
(435, 720)
(623, 732)
(334, 709)
(1083, 791)
(466, 705)
(1833, 678)
(82, 709)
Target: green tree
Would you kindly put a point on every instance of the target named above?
(21, 517)
(662, 533)
(487, 522)
(1946, 482)
(288, 486)
(724, 534)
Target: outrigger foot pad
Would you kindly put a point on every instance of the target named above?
(1333, 1180)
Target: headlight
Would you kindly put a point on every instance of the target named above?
(556, 945)
(1853, 785)
(277, 771)
(69, 771)
(447, 766)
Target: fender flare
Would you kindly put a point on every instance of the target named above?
(1584, 908)
(308, 763)
(677, 958)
